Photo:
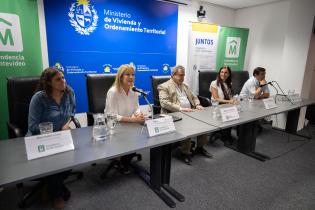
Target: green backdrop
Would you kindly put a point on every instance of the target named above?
(232, 47)
(20, 51)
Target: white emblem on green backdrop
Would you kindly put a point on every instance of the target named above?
(20, 52)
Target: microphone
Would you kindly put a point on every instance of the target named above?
(268, 83)
(144, 94)
(139, 91)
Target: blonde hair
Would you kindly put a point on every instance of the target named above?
(121, 71)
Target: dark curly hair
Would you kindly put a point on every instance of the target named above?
(46, 78)
(228, 82)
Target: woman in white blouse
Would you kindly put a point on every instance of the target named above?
(221, 88)
(123, 101)
(221, 91)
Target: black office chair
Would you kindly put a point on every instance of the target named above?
(238, 80)
(155, 82)
(205, 79)
(19, 93)
(97, 86)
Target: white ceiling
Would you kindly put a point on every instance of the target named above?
(238, 4)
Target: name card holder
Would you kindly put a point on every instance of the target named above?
(160, 126)
(48, 144)
(229, 114)
(270, 103)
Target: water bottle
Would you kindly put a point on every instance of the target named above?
(215, 111)
(237, 100)
(99, 128)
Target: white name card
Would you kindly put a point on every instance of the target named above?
(229, 113)
(48, 144)
(160, 126)
(270, 103)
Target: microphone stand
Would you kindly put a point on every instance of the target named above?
(276, 91)
(284, 93)
(150, 105)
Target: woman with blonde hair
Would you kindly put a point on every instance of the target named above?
(122, 101)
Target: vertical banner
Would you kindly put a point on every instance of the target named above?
(97, 36)
(232, 48)
(202, 49)
(20, 52)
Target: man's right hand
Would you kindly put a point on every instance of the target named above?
(263, 82)
(186, 110)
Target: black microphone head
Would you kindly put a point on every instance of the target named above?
(134, 88)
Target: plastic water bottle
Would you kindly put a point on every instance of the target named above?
(215, 111)
(237, 99)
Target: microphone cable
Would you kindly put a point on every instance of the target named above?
(199, 119)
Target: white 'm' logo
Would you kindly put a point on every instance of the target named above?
(232, 49)
(10, 33)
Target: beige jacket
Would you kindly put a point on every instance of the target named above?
(168, 97)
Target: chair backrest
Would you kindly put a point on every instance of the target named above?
(97, 86)
(238, 80)
(206, 77)
(19, 92)
(155, 82)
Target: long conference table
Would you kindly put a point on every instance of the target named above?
(251, 113)
(130, 138)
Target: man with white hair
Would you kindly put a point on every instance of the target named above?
(176, 96)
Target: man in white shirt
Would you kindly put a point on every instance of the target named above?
(256, 85)
(176, 96)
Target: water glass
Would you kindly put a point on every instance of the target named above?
(111, 121)
(45, 127)
(291, 92)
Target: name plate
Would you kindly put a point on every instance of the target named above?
(160, 126)
(48, 144)
(229, 113)
(270, 103)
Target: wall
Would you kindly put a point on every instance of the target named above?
(267, 27)
(215, 14)
(279, 39)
